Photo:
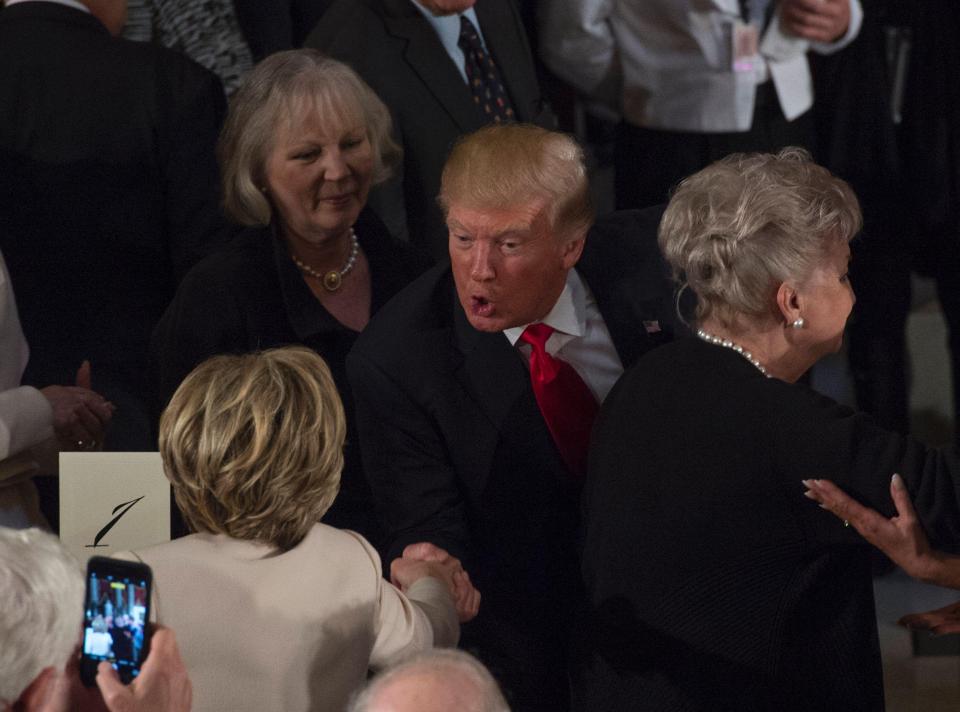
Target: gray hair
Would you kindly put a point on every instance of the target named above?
(467, 676)
(283, 86)
(41, 590)
(742, 226)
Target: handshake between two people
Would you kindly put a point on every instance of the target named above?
(164, 685)
(424, 559)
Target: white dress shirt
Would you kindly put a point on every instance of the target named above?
(69, 3)
(669, 63)
(447, 28)
(26, 419)
(580, 338)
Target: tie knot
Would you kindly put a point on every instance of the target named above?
(537, 334)
(469, 38)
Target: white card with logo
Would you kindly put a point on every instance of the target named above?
(112, 502)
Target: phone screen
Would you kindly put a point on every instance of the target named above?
(116, 613)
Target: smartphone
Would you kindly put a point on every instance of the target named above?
(116, 612)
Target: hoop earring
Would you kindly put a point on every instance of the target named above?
(798, 323)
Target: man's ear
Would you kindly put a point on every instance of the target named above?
(789, 302)
(573, 248)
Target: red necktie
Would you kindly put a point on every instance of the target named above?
(566, 403)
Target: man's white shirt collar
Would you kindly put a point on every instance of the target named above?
(447, 28)
(69, 3)
(569, 313)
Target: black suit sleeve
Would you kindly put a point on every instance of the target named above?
(192, 106)
(203, 320)
(816, 437)
(413, 480)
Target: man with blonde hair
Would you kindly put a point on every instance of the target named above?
(476, 387)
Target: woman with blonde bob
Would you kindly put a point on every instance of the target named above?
(714, 584)
(304, 141)
(272, 609)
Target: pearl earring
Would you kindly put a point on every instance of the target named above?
(798, 323)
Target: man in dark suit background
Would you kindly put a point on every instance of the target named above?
(109, 192)
(461, 448)
(411, 53)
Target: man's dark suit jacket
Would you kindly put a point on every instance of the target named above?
(396, 51)
(457, 452)
(108, 192)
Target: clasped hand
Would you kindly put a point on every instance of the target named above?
(80, 415)
(815, 20)
(425, 559)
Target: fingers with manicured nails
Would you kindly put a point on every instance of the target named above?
(901, 498)
(871, 525)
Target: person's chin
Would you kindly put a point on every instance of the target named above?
(490, 324)
(344, 211)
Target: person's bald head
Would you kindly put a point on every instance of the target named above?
(112, 13)
(435, 681)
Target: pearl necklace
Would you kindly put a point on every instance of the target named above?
(333, 279)
(727, 344)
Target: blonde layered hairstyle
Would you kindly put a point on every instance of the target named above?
(506, 165)
(253, 445)
(744, 225)
(279, 94)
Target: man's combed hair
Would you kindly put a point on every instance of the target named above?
(740, 227)
(469, 680)
(280, 90)
(253, 445)
(41, 607)
(505, 165)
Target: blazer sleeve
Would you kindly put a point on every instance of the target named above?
(577, 41)
(407, 623)
(853, 29)
(203, 320)
(193, 107)
(414, 483)
(816, 437)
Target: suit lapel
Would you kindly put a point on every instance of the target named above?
(628, 307)
(494, 376)
(491, 371)
(427, 57)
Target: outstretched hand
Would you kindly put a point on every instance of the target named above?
(900, 537)
(941, 621)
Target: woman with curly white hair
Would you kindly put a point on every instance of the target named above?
(714, 584)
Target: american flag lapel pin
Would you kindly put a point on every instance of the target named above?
(651, 326)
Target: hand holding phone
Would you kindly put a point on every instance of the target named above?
(116, 613)
(162, 685)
